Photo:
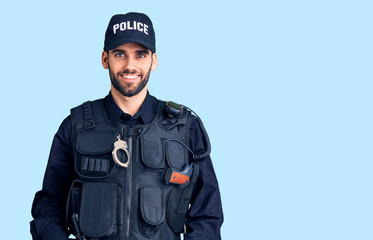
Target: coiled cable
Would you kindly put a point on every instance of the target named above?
(207, 145)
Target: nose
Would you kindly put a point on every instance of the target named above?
(130, 65)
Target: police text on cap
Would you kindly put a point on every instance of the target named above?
(139, 26)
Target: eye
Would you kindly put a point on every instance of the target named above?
(119, 55)
(140, 55)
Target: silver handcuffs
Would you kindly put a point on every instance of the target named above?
(120, 145)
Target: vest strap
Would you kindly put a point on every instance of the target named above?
(88, 116)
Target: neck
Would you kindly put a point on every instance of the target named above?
(130, 105)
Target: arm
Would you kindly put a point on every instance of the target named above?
(205, 215)
(48, 208)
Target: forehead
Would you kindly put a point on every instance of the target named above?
(131, 47)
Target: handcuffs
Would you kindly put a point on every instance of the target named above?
(120, 145)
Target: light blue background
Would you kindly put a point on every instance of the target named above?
(283, 87)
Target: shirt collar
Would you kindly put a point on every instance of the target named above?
(145, 115)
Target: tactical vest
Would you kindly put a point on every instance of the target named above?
(129, 199)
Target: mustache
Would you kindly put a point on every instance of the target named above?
(129, 72)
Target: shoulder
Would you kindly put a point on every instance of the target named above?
(86, 113)
(85, 106)
(63, 133)
(198, 138)
(65, 129)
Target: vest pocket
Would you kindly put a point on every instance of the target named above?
(94, 159)
(152, 153)
(176, 154)
(152, 210)
(98, 211)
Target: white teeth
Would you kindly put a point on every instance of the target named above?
(130, 77)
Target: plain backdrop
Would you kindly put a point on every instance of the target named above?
(284, 89)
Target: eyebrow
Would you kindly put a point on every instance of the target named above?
(142, 51)
(118, 51)
(145, 51)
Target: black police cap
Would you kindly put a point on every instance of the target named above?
(130, 28)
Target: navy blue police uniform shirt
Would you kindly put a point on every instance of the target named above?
(48, 210)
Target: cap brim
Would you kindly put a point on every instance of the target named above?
(118, 42)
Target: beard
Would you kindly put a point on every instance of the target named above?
(129, 89)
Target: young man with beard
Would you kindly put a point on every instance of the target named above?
(129, 166)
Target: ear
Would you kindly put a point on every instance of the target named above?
(104, 59)
(155, 62)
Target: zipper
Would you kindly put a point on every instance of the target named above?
(128, 192)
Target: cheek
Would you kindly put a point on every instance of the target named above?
(113, 67)
(149, 66)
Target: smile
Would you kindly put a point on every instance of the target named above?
(129, 77)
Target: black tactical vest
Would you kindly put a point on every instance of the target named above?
(109, 201)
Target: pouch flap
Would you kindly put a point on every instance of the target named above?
(97, 211)
(175, 154)
(152, 151)
(95, 142)
(152, 201)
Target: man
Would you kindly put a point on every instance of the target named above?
(129, 166)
